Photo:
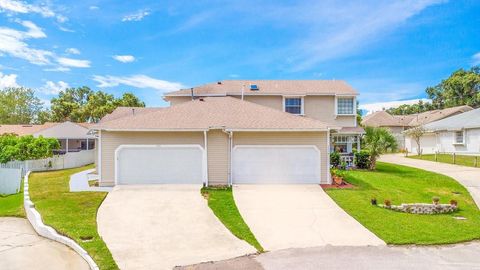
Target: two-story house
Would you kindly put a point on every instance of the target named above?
(232, 132)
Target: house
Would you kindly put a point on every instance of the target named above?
(456, 134)
(72, 136)
(231, 132)
(397, 124)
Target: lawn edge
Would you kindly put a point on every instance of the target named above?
(204, 193)
(35, 219)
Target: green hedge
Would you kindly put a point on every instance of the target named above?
(13, 147)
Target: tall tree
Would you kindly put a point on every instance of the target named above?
(18, 105)
(84, 105)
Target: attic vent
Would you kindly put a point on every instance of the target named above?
(219, 82)
(254, 87)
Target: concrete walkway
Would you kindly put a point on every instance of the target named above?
(79, 182)
(21, 248)
(467, 176)
(456, 257)
(161, 226)
(298, 216)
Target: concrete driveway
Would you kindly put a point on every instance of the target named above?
(467, 176)
(22, 248)
(161, 226)
(298, 216)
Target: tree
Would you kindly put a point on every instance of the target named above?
(416, 133)
(18, 105)
(84, 105)
(406, 109)
(378, 141)
(13, 147)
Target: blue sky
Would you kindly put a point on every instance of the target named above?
(388, 50)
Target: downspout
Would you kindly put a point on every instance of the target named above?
(230, 146)
(99, 161)
(329, 176)
(205, 183)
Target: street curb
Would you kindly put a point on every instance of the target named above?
(35, 219)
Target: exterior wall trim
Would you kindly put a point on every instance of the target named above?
(123, 146)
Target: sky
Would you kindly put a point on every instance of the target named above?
(390, 51)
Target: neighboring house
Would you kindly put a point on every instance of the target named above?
(281, 132)
(455, 134)
(397, 124)
(72, 136)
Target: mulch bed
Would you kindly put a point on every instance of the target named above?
(330, 186)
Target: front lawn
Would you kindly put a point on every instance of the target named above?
(73, 214)
(12, 205)
(402, 184)
(448, 158)
(221, 201)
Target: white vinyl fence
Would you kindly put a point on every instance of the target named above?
(67, 161)
(10, 180)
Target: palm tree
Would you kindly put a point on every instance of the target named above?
(378, 141)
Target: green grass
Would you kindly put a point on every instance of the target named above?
(72, 214)
(221, 201)
(447, 158)
(402, 184)
(12, 205)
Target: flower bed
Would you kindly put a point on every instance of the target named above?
(422, 208)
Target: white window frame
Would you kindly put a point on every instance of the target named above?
(455, 137)
(302, 98)
(354, 105)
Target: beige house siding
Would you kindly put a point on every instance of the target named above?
(178, 100)
(218, 157)
(112, 140)
(319, 139)
(275, 102)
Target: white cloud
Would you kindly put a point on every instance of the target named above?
(124, 58)
(137, 16)
(72, 51)
(13, 43)
(69, 62)
(8, 80)
(138, 81)
(17, 6)
(476, 59)
(374, 107)
(93, 7)
(59, 69)
(52, 88)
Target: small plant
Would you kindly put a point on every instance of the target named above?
(362, 159)
(453, 203)
(435, 200)
(373, 201)
(335, 159)
(387, 203)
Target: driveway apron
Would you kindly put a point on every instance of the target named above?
(298, 216)
(162, 226)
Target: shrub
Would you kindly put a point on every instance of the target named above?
(373, 201)
(436, 200)
(335, 159)
(387, 203)
(362, 159)
(453, 202)
(13, 147)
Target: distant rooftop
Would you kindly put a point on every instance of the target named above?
(467, 120)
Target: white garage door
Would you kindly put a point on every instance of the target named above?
(276, 164)
(159, 164)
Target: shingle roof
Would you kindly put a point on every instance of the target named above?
(270, 87)
(384, 119)
(22, 130)
(120, 112)
(214, 112)
(466, 120)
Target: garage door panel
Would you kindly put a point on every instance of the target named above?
(160, 165)
(276, 165)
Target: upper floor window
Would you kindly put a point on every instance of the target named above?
(345, 105)
(293, 105)
(459, 137)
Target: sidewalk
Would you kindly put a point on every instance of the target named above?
(79, 183)
(467, 176)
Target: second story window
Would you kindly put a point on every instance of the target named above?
(345, 105)
(294, 105)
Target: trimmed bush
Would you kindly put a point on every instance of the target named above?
(335, 159)
(13, 147)
(362, 159)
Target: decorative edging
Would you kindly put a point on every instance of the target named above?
(422, 208)
(48, 232)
